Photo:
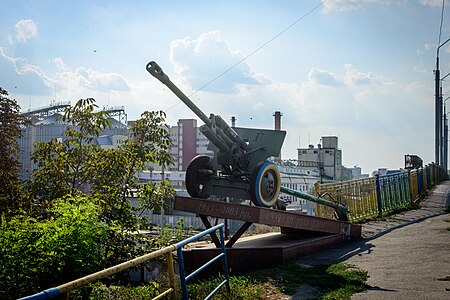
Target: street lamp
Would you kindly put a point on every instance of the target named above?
(438, 108)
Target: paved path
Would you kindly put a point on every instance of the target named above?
(407, 256)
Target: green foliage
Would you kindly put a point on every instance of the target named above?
(169, 236)
(12, 198)
(66, 167)
(35, 255)
(241, 287)
(99, 291)
(78, 166)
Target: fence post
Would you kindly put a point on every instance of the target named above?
(411, 200)
(171, 274)
(380, 204)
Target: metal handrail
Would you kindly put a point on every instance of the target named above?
(184, 278)
(168, 251)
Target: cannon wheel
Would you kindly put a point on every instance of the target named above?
(194, 178)
(265, 184)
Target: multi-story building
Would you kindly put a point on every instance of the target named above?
(326, 159)
(187, 142)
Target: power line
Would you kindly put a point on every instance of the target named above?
(254, 51)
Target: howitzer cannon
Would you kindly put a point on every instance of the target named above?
(239, 167)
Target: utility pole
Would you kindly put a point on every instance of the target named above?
(438, 109)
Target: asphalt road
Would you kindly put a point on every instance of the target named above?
(407, 256)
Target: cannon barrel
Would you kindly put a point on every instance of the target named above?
(155, 70)
(228, 133)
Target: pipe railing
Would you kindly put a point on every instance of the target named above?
(372, 197)
(63, 290)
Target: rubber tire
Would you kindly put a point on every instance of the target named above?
(264, 174)
(193, 179)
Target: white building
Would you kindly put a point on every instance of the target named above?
(326, 159)
(299, 179)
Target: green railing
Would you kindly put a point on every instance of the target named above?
(374, 196)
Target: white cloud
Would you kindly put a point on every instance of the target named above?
(324, 78)
(198, 61)
(87, 82)
(355, 77)
(350, 5)
(71, 84)
(25, 30)
(429, 46)
(432, 3)
(23, 68)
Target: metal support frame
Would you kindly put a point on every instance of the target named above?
(238, 234)
(208, 225)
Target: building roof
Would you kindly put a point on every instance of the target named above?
(116, 124)
(54, 119)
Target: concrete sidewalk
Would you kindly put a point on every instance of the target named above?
(407, 256)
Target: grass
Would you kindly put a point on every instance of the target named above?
(337, 281)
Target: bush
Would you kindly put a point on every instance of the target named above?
(39, 254)
(99, 291)
(240, 288)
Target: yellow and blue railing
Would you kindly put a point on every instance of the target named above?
(371, 197)
(63, 290)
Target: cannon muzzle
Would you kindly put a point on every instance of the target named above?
(155, 70)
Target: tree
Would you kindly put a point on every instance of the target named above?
(77, 166)
(11, 124)
(65, 167)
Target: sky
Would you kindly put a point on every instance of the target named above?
(360, 70)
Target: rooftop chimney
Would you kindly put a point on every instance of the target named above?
(233, 121)
(277, 116)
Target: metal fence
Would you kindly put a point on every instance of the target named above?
(371, 197)
(63, 290)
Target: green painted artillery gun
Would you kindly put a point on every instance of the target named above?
(239, 167)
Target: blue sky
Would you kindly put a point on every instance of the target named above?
(360, 70)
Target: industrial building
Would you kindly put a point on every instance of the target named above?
(326, 159)
(47, 124)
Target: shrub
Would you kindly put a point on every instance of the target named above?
(39, 254)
